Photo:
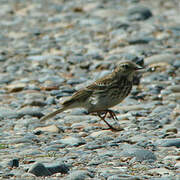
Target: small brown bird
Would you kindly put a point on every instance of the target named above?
(103, 94)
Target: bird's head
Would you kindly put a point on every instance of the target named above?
(127, 68)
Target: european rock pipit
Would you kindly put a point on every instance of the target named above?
(103, 94)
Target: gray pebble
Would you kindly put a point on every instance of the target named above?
(61, 168)
(169, 142)
(123, 177)
(8, 113)
(39, 169)
(5, 79)
(139, 154)
(79, 175)
(35, 112)
(165, 57)
(2, 58)
(176, 64)
(174, 88)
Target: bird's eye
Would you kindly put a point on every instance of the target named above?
(125, 66)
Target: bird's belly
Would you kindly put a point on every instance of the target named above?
(105, 101)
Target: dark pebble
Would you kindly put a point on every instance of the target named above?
(13, 163)
(139, 40)
(62, 168)
(39, 169)
(139, 13)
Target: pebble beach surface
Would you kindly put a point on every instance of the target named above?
(50, 49)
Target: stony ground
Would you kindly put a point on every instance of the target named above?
(49, 49)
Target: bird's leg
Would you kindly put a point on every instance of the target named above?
(103, 118)
(112, 114)
(104, 113)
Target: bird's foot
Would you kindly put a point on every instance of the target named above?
(103, 114)
(113, 128)
(112, 114)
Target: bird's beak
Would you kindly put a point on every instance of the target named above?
(140, 69)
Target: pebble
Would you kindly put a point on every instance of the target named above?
(172, 129)
(177, 165)
(173, 96)
(161, 172)
(28, 176)
(35, 112)
(166, 57)
(139, 154)
(169, 142)
(13, 163)
(61, 168)
(79, 175)
(38, 169)
(122, 177)
(52, 128)
(8, 113)
(15, 87)
(139, 13)
(5, 79)
(101, 133)
(72, 141)
(174, 88)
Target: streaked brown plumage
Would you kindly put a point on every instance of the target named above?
(103, 94)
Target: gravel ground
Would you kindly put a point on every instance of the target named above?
(50, 49)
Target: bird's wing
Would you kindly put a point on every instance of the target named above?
(80, 95)
(102, 83)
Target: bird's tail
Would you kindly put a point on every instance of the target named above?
(50, 115)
